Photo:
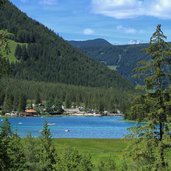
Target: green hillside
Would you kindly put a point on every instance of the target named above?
(47, 57)
(122, 58)
(10, 54)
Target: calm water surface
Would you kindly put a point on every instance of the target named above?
(78, 126)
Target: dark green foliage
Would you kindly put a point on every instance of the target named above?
(8, 103)
(54, 106)
(68, 101)
(123, 57)
(47, 57)
(58, 105)
(4, 67)
(38, 99)
(107, 165)
(5, 136)
(22, 103)
(149, 150)
(110, 99)
(32, 154)
(16, 154)
(21, 52)
(138, 109)
(71, 160)
(16, 101)
(11, 150)
(48, 154)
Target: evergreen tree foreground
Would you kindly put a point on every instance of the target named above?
(152, 140)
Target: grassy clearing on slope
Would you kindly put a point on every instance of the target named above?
(112, 67)
(12, 46)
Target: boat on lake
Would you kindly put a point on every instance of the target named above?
(51, 124)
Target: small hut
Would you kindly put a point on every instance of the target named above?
(30, 112)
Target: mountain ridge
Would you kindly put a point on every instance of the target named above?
(48, 57)
(89, 43)
(122, 58)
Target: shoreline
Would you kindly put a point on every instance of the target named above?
(97, 115)
(64, 114)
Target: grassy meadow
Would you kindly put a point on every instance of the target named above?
(99, 149)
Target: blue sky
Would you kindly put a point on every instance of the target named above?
(118, 21)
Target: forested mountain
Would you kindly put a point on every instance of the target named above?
(123, 58)
(44, 56)
(91, 43)
(99, 99)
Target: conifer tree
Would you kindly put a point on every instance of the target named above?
(16, 154)
(22, 103)
(32, 152)
(68, 101)
(38, 99)
(5, 136)
(48, 153)
(8, 103)
(149, 150)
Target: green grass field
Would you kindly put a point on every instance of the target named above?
(99, 149)
(11, 55)
(11, 52)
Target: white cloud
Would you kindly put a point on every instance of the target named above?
(48, 2)
(88, 31)
(128, 30)
(134, 42)
(121, 9)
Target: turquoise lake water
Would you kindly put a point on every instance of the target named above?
(73, 126)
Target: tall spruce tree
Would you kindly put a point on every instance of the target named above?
(8, 103)
(48, 156)
(11, 150)
(22, 103)
(38, 99)
(5, 137)
(32, 152)
(149, 149)
(16, 153)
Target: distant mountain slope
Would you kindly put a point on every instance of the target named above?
(47, 57)
(91, 43)
(123, 58)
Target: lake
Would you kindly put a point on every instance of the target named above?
(73, 126)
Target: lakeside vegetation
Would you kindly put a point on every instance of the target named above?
(99, 99)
